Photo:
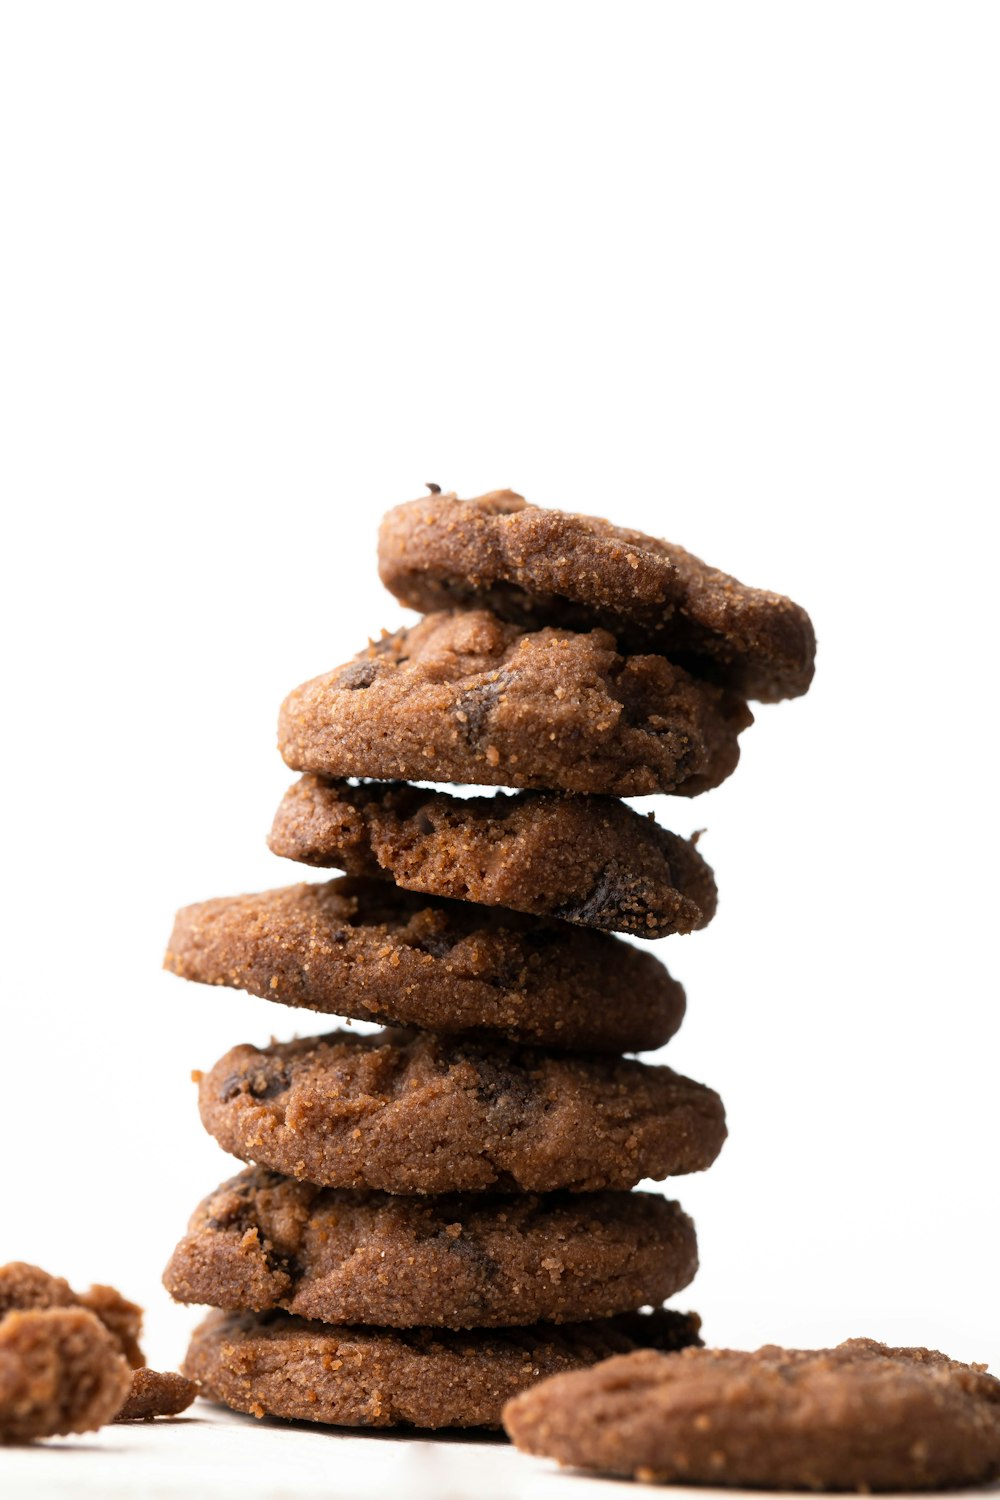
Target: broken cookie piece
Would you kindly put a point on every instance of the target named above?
(61, 1371)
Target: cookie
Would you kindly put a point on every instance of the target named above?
(588, 860)
(859, 1417)
(548, 567)
(263, 1241)
(24, 1287)
(407, 1112)
(467, 697)
(61, 1371)
(156, 1394)
(272, 1364)
(362, 948)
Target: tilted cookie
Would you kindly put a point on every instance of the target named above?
(549, 567)
(273, 1364)
(364, 948)
(588, 860)
(409, 1112)
(858, 1417)
(466, 697)
(264, 1241)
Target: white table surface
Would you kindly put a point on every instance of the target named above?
(210, 1452)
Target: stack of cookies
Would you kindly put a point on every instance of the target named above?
(437, 1215)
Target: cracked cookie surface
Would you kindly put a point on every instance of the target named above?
(409, 1112)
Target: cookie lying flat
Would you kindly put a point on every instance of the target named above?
(272, 1364)
(465, 697)
(61, 1371)
(407, 1112)
(588, 860)
(548, 567)
(859, 1417)
(365, 949)
(24, 1288)
(262, 1241)
(156, 1394)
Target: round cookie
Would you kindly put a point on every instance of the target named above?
(548, 567)
(61, 1371)
(365, 949)
(466, 697)
(407, 1112)
(859, 1417)
(263, 1241)
(588, 860)
(272, 1364)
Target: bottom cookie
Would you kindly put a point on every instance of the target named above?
(273, 1364)
(859, 1417)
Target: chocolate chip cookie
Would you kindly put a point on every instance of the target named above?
(548, 567)
(467, 697)
(61, 1371)
(408, 1112)
(588, 860)
(365, 949)
(859, 1417)
(273, 1364)
(263, 1241)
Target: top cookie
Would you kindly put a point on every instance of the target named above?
(859, 1417)
(466, 697)
(548, 567)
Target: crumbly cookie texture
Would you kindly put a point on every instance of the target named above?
(156, 1394)
(263, 1241)
(25, 1287)
(466, 697)
(860, 1417)
(272, 1364)
(61, 1371)
(591, 860)
(365, 949)
(408, 1112)
(547, 567)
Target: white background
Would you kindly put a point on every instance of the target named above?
(727, 273)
